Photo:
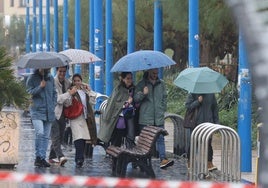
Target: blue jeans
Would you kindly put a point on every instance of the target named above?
(160, 144)
(42, 133)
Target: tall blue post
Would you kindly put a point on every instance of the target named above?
(98, 47)
(158, 30)
(27, 26)
(77, 67)
(65, 26)
(48, 25)
(65, 33)
(109, 48)
(56, 30)
(193, 57)
(34, 28)
(40, 25)
(244, 107)
(91, 45)
(131, 29)
(27, 31)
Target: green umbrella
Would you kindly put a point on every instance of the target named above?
(201, 80)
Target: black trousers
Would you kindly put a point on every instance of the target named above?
(79, 149)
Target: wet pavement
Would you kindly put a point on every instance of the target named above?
(97, 166)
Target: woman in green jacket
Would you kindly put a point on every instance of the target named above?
(122, 97)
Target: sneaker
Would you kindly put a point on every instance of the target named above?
(166, 163)
(38, 162)
(41, 162)
(62, 161)
(79, 164)
(45, 163)
(54, 161)
(211, 167)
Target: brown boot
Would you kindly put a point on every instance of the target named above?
(211, 167)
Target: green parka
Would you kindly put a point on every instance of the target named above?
(114, 107)
(153, 105)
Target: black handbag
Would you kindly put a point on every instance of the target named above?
(189, 121)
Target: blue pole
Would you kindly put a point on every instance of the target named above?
(244, 108)
(98, 47)
(34, 28)
(40, 25)
(27, 24)
(65, 30)
(193, 57)
(91, 45)
(65, 25)
(109, 48)
(77, 67)
(56, 22)
(131, 29)
(27, 32)
(48, 25)
(158, 30)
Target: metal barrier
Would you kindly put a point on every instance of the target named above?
(102, 108)
(230, 152)
(181, 135)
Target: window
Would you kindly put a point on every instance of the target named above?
(11, 3)
(22, 3)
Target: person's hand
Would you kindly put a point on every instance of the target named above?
(130, 100)
(200, 98)
(43, 84)
(145, 90)
(73, 90)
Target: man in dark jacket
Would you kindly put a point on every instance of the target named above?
(207, 112)
(151, 94)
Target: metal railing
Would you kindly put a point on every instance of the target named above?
(230, 152)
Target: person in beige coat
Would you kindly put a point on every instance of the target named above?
(84, 126)
(56, 155)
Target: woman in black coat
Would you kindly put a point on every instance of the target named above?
(207, 112)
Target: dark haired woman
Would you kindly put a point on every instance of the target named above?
(84, 126)
(122, 97)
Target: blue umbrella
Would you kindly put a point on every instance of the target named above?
(142, 60)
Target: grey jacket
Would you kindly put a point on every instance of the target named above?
(43, 99)
(153, 105)
(62, 97)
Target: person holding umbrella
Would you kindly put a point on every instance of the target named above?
(44, 98)
(207, 112)
(151, 94)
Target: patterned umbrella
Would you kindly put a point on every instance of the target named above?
(142, 60)
(80, 56)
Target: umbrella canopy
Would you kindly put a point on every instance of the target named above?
(43, 60)
(80, 56)
(201, 80)
(142, 60)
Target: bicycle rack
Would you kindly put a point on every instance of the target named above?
(230, 152)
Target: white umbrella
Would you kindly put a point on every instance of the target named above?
(80, 56)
